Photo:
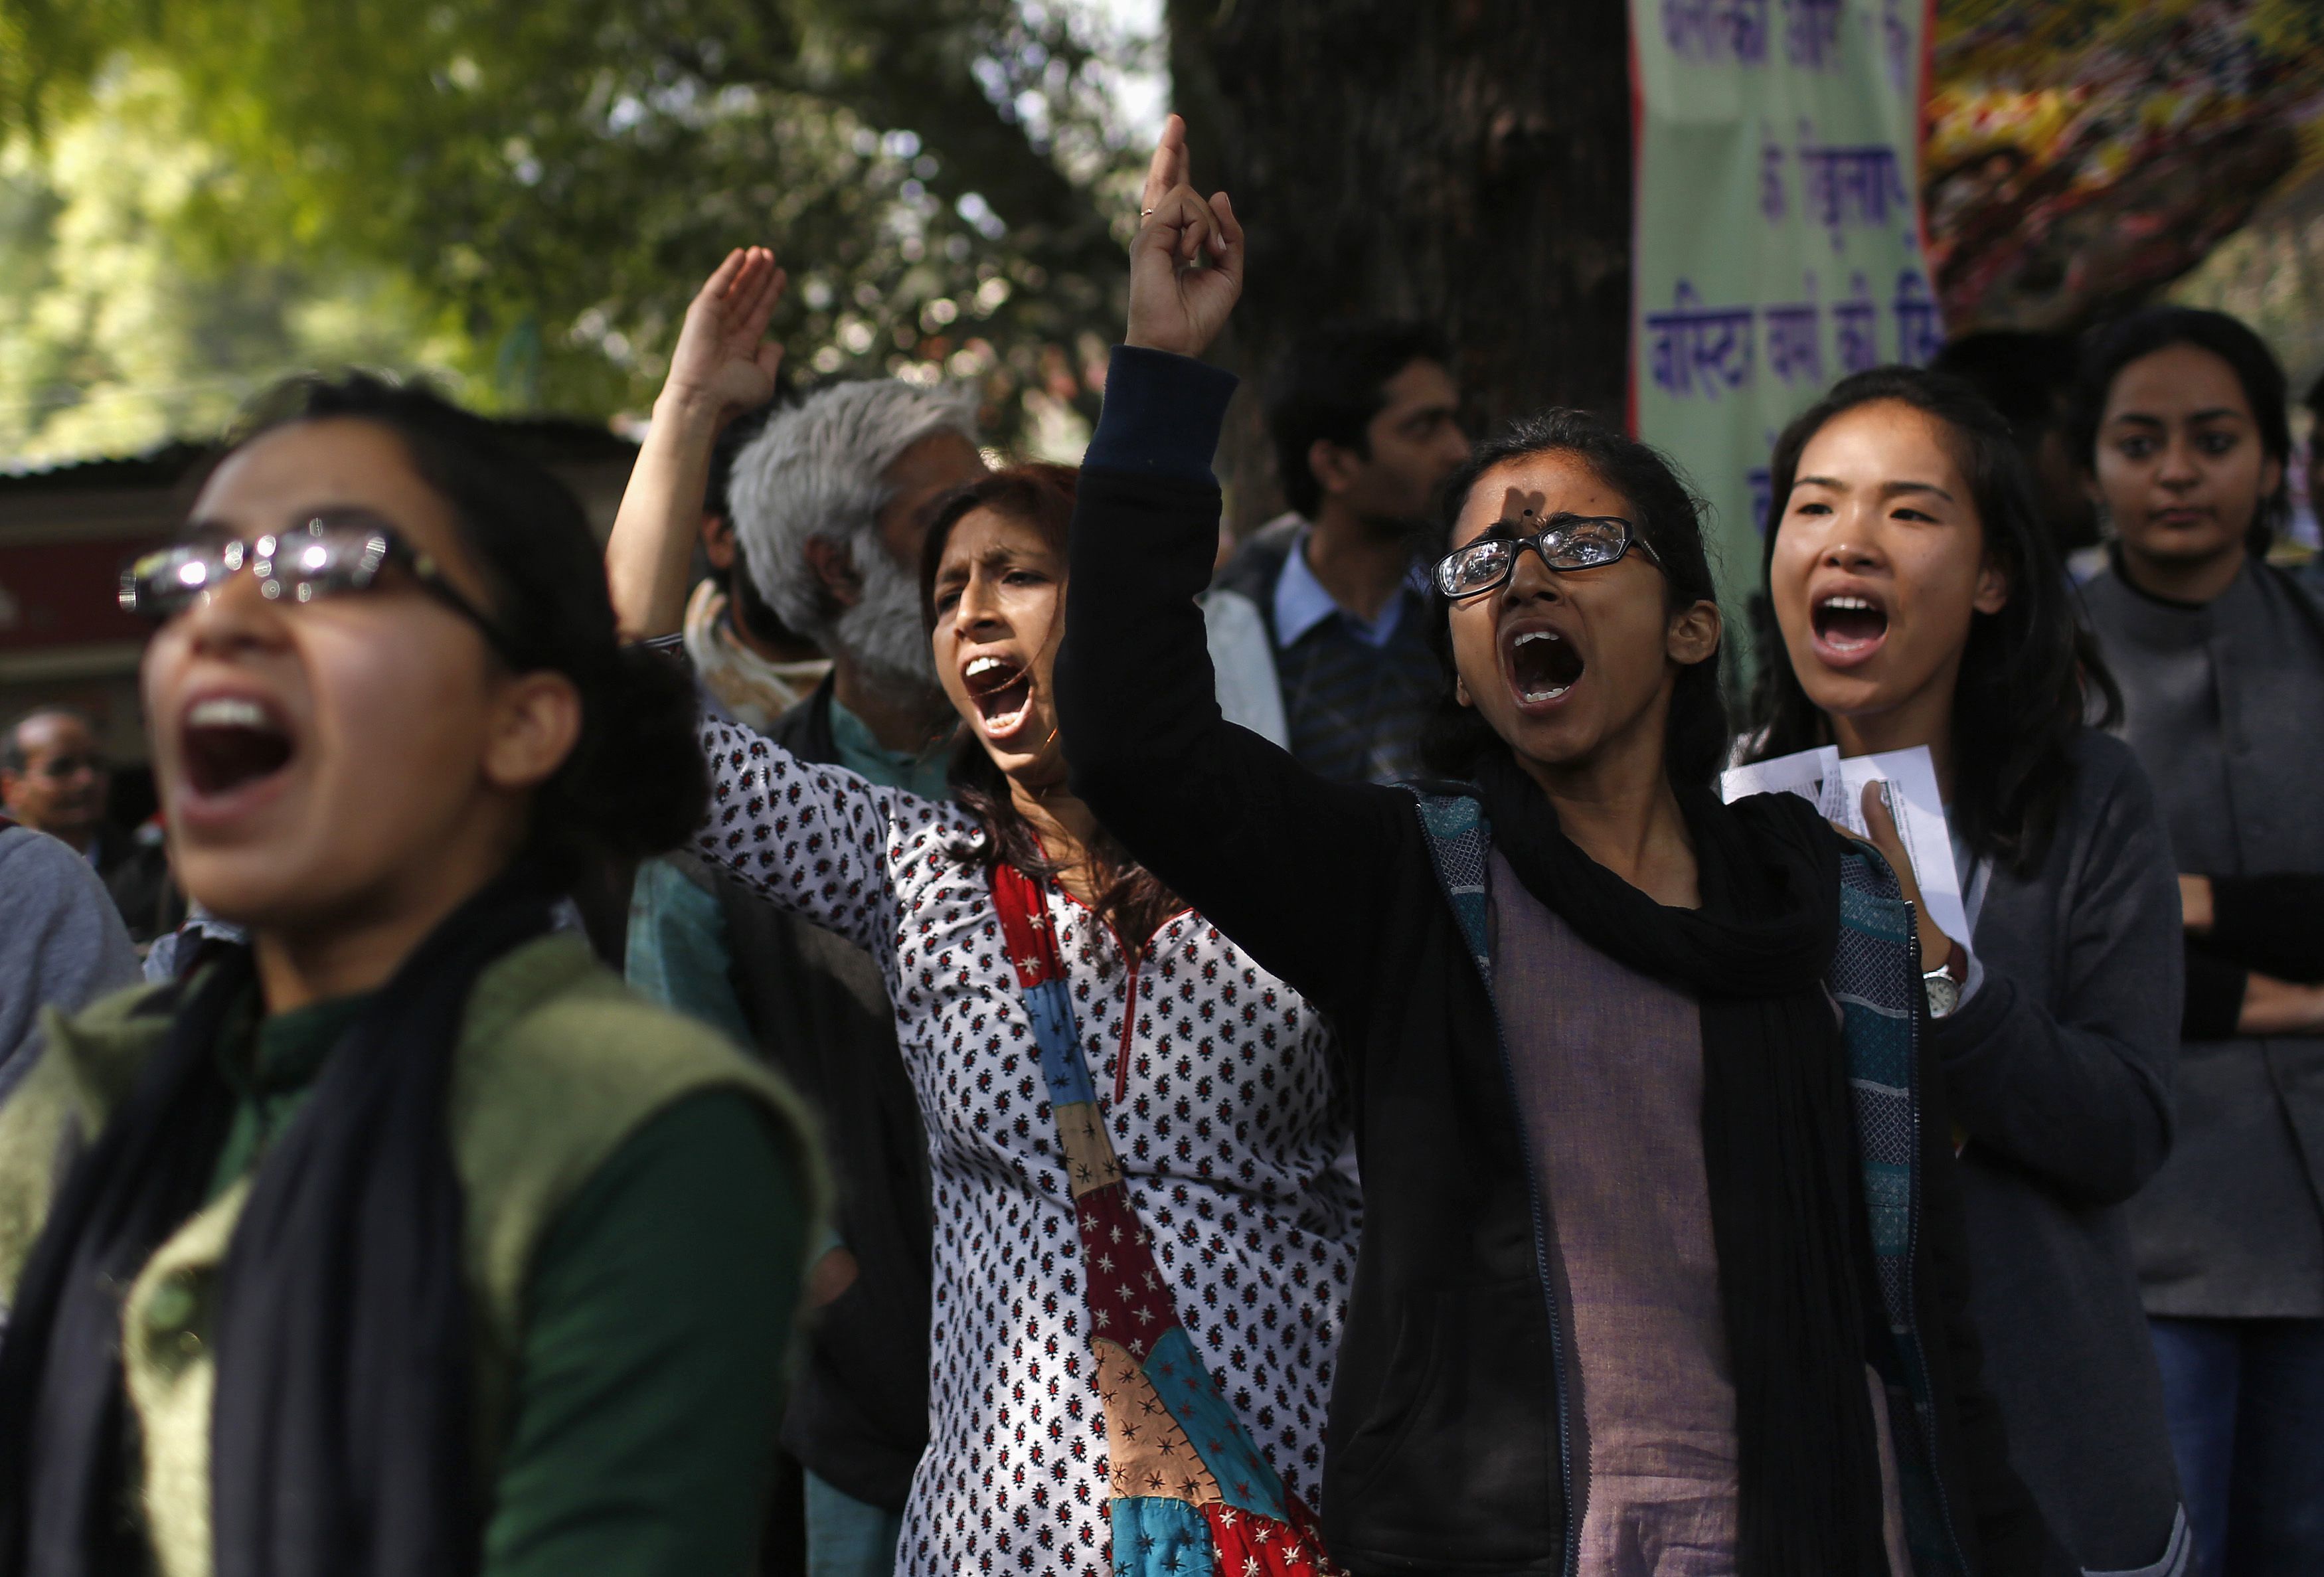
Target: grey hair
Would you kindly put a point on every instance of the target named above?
(816, 472)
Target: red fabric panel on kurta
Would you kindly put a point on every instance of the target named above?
(1127, 1300)
(1260, 1546)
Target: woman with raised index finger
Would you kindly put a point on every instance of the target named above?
(1662, 1269)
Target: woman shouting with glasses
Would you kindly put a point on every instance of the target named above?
(1662, 1269)
(403, 1240)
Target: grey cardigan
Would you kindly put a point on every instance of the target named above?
(2059, 1069)
(2226, 711)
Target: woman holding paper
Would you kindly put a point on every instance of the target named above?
(1662, 1269)
(1929, 639)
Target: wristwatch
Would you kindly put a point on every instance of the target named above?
(1943, 986)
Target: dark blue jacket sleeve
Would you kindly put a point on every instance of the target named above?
(1283, 863)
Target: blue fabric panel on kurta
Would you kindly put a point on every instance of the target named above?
(1185, 1386)
(1061, 1064)
(1153, 1537)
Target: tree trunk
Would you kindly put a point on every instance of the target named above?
(1465, 162)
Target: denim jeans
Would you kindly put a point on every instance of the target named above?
(2245, 1399)
(848, 1537)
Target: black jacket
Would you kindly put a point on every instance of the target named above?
(1452, 1434)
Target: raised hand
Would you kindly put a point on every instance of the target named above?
(1186, 266)
(723, 364)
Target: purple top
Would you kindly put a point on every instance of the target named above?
(1607, 1065)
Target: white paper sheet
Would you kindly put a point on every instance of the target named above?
(1912, 779)
(1836, 786)
(1802, 773)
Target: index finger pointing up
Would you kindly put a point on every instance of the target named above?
(1167, 171)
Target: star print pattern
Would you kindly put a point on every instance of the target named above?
(1225, 1131)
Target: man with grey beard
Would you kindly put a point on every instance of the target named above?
(830, 504)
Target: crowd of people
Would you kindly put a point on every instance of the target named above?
(989, 1035)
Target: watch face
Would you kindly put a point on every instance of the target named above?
(1944, 992)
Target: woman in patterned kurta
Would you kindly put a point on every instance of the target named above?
(1223, 1111)
(1213, 1077)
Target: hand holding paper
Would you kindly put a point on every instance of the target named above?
(1917, 842)
(1880, 827)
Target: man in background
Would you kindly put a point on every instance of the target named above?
(1365, 420)
(828, 507)
(54, 778)
(752, 664)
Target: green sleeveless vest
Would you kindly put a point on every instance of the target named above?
(559, 1064)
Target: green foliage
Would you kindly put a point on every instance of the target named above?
(549, 179)
(143, 301)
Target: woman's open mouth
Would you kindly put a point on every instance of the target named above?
(1849, 627)
(1543, 666)
(230, 746)
(1002, 690)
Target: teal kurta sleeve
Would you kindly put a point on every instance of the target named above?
(651, 1380)
(677, 952)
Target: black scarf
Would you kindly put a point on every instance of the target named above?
(340, 1429)
(1778, 1142)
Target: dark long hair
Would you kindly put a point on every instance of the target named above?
(634, 783)
(1131, 899)
(2031, 673)
(2117, 344)
(1669, 520)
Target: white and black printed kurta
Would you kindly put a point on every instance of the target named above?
(1218, 1085)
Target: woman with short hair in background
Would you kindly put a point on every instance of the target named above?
(2220, 656)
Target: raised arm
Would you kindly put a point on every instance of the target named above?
(1283, 863)
(723, 365)
(2083, 1096)
(813, 839)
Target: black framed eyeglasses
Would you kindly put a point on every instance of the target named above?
(325, 555)
(1564, 541)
